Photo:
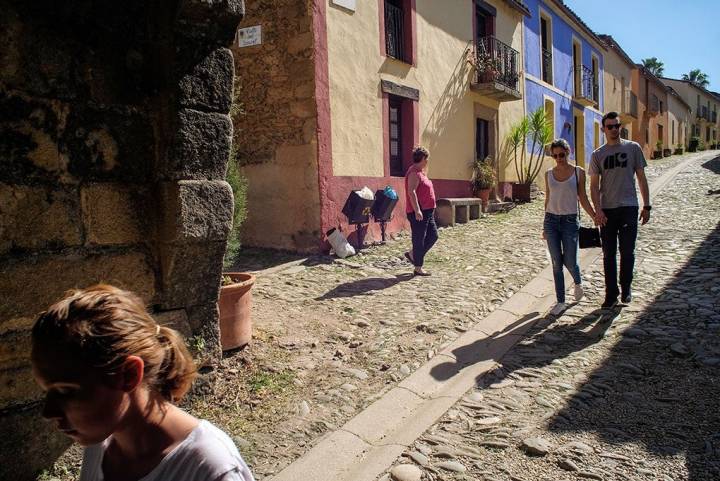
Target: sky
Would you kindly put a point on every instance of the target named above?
(684, 34)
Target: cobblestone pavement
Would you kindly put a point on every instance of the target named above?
(628, 394)
(331, 336)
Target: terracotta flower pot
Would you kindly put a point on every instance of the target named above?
(234, 305)
(521, 192)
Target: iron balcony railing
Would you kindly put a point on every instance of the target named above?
(497, 62)
(394, 31)
(703, 113)
(588, 87)
(630, 106)
(547, 66)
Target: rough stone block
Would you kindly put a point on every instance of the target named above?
(38, 218)
(209, 20)
(114, 214)
(109, 145)
(196, 210)
(15, 349)
(201, 146)
(43, 444)
(17, 386)
(190, 273)
(299, 43)
(208, 85)
(204, 322)
(50, 276)
(176, 319)
(303, 108)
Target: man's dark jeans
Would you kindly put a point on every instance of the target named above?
(622, 224)
(424, 234)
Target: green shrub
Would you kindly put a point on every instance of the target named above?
(238, 183)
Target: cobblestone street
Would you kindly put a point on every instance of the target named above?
(333, 336)
(628, 394)
(634, 397)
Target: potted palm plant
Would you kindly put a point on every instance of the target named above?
(483, 180)
(536, 132)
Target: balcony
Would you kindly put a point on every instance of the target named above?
(703, 113)
(586, 88)
(630, 105)
(496, 70)
(547, 66)
(653, 105)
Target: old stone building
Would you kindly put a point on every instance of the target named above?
(114, 139)
(336, 94)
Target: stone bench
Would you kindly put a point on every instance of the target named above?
(457, 210)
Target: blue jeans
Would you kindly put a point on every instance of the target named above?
(424, 234)
(561, 233)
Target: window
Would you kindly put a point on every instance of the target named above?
(395, 136)
(482, 138)
(660, 134)
(546, 49)
(672, 132)
(577, 67)
(596, 135)
(395, 29)
(647, 136)
(595, 79)
(661, 107)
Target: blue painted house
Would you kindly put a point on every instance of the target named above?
(563, 74)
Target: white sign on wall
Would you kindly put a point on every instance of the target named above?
(249, 36)
(349, 4)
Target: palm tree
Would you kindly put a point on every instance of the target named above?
(697, 77)
(654, 66)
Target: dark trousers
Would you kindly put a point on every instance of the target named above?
(622, 225)
(424, 234)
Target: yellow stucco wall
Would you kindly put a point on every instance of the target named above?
(446, 106)
(678, 116)
(615, 71)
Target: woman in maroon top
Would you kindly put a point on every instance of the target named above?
(420, 209)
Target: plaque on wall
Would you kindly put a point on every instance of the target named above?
(250, 36)
(349, 4)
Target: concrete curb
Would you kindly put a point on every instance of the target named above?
(371, 441)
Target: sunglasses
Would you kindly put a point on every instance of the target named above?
(561, 155)
(612, 126)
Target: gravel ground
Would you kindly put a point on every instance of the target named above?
(331, 336)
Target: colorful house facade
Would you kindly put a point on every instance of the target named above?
(679, 120)
(337, 93)
(705, 123)
(620, 91)
(564, 63)
(650, 128)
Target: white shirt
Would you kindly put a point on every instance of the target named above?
(207, 454)
(563, 195)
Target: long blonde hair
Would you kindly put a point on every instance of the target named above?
(103, 325)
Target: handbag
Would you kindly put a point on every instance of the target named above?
(588, 237)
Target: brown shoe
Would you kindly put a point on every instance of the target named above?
(421, 273)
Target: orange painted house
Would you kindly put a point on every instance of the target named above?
(650, 129)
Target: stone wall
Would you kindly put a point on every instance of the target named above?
(114, 139)
(276, 127)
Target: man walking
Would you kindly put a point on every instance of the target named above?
(612, 187)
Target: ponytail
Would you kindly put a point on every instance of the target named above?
(103, 325)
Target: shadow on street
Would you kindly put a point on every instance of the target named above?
(664, 374)
(363, 287)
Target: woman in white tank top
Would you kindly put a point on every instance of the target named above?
(565, 190)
